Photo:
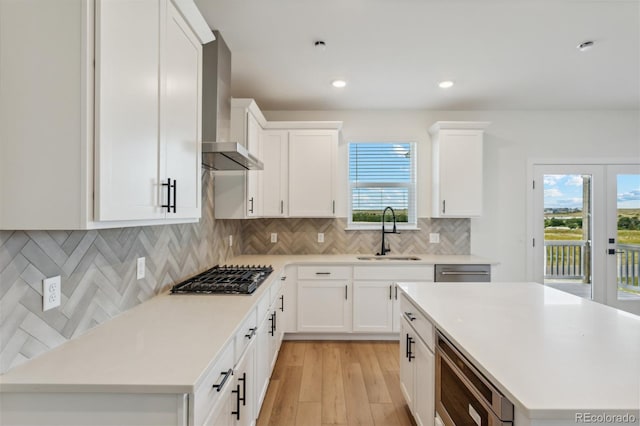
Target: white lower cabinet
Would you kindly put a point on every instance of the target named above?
(375, 295)
(417, 364)
(243, 392)
(324, 299)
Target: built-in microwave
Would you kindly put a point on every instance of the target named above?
(464, 397)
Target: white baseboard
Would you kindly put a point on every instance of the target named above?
(341, 336)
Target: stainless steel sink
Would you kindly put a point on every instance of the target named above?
(389, 258)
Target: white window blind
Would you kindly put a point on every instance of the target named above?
(382, 174)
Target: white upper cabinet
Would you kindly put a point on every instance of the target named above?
(457, 168)
(238, 193)
(312, 173)
(135, 113)
(275, 176)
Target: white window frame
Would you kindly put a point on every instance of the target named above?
(412, 223)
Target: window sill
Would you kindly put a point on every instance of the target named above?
(378, 228)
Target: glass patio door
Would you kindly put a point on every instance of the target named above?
(623, 237)
(586, 231)
(565, 231)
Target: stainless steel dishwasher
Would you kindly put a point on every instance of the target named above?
(462, 273)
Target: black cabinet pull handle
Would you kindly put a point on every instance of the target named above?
(444, 206)
(334, 207)
(237, 392)
(227, 374)
(391, 292)
(346, 292)
(409, 343)
(396, 292)
(168, 205)
(243, 379)
(252, 332)
(323, 273)
(251, 208)
(272, 318)
(281, 207)
(282, 303)
(410, 316)
(406, 346)
(175, 194)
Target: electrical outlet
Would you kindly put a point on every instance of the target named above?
(230, 240)
(434, 238)
(51, 293)
(140, 268)
(274, 237)
(320, 237)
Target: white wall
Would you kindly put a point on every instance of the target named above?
(511, 140)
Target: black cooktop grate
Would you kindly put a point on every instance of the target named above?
(225, 279)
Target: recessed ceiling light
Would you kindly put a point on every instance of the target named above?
(445, 84)
(338, 83)
(585, 45)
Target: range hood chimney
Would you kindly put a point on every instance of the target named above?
(218, 152)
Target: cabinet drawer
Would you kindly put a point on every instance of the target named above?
(324, 272)
(247, 332)
(214, 385)
(418, 321)
(263, 306)
(394, 273)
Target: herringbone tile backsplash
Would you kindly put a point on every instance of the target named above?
(98, 270)
(300, 236)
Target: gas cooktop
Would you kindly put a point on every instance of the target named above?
(225, 279)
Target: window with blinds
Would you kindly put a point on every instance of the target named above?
(382, 174)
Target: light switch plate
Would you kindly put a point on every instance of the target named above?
(320, 237)
(140, 268)
(274, 237)
(434, 238)
(51, 293)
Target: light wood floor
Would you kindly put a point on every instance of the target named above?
(335, 383)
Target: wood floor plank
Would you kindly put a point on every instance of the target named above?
(268, 403)
(308, 414)
(285, 405)
(311, 386)
(348, 376)
(387, 355)
(384, 414)
(392, 378)
(376, 386)
(334, 410)
(357, 401)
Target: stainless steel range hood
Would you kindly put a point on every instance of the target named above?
(218, 153)
(228, 156)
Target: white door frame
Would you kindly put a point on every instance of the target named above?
(601, 293)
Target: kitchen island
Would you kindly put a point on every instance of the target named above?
(558, 358)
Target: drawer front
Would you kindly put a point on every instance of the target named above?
(275, 288)
(215, 384)
(324, 272)
(263, 305)
(418, 321)
(394, 273)
(246, 334)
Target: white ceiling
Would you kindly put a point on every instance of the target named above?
(501, 54)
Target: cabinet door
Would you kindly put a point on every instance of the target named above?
(253, 176)
(406, 364)
(263, 359)
(245, 388)
(312, 173)
(181, 112)
(290, 288)
(221, 414)
(373, 306)
(324, 306)
(127, 100)
(459, 173)
(275, 156)
(424, 411)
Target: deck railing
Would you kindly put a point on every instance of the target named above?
(566, 260)
(628, 265)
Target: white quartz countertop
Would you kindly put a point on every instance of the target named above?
(551, 353)
(166, 344)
